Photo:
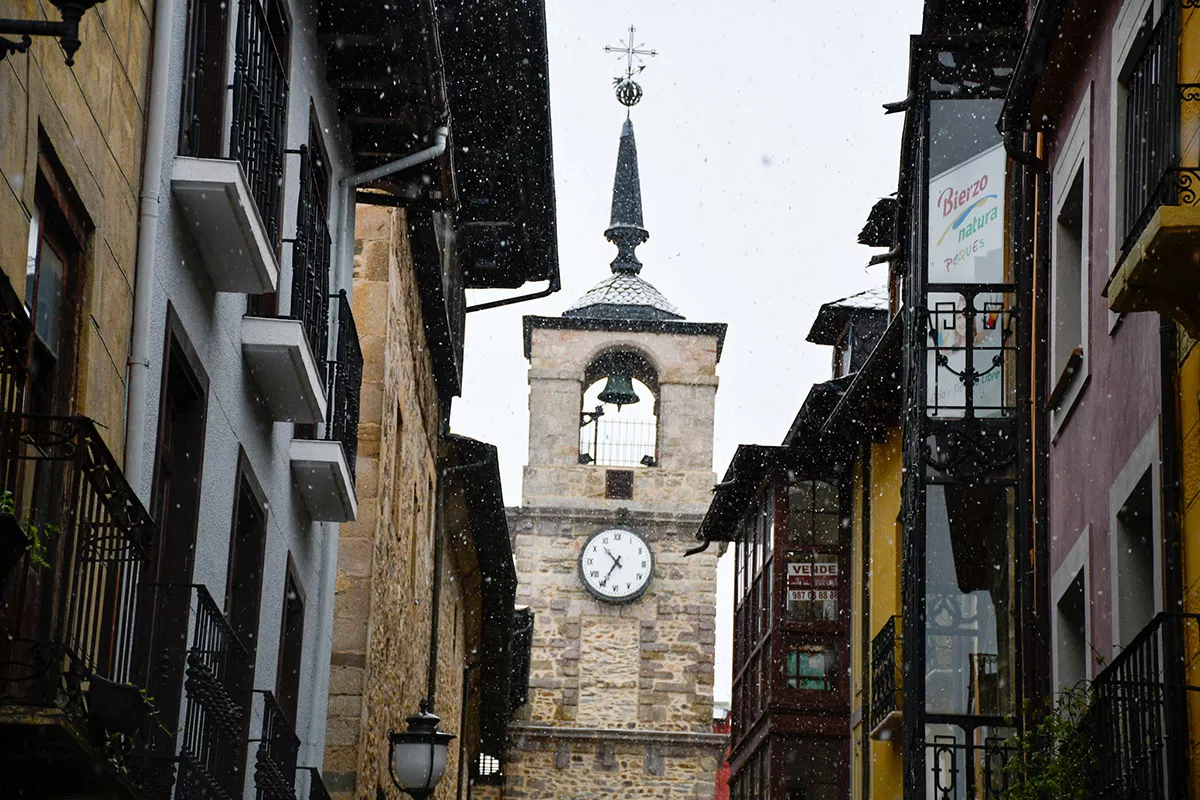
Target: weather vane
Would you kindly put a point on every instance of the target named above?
(626, 88)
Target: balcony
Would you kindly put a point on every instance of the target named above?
(77, 543)
(275, 756)
(287, 355)
(1157, 269)
(1139, 714)
(233, 204)
(886, 694)
(211, 741)
(323, 469)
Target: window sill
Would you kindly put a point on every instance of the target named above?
(1066, 379)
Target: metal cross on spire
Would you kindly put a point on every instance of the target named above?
(627, 90)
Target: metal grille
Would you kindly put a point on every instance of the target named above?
(344, 381)
(1152, 175)
(218, 668)
(275, 759)
(618, 443)
(79, 603)
(968, 764)
(260, 100)
(1138, 714)
(310, 263)
(885, 672)
(16, 332)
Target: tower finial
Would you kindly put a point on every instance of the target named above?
(625, 227)
(628, 91)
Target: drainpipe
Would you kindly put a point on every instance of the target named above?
(1177, 754)
(138, 365)
(352, 182)
(462, 726)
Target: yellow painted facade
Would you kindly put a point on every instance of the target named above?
(879, 502)
(1189, 409)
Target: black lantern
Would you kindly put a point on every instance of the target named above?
(417, 757)
(67, 30)
(619, 389)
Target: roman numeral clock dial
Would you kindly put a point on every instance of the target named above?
(616, 565)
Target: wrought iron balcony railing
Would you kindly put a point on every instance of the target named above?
(212, 748)
(81, 541)
(311, 257)
(278, 749)
(1138, 713)
(885, 672)
(344, 381)
(1153, 173)
(16, 334)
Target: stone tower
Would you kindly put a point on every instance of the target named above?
(621, 678)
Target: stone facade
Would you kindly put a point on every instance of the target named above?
(620, 696)
(385, 559)
(90, 119)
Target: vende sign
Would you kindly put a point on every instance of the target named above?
(806, 575)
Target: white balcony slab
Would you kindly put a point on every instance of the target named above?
(283, 368)
(322, 478)
(225, 224)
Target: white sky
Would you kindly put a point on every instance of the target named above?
(762, 145)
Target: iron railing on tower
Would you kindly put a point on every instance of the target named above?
(344, 380)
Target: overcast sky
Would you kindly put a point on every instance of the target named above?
(762, 146)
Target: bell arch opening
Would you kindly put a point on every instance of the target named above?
(618, 419)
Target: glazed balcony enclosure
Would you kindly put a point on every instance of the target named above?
(1159, 208)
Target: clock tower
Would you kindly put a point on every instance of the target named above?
(622, 390)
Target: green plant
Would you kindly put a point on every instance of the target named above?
(38, 535)
(1054, 757)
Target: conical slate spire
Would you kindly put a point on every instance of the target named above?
(625, 228)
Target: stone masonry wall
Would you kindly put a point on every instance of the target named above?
(92, 119)
(675, 620)
(385, 558)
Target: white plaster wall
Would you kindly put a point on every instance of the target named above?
(212, 322)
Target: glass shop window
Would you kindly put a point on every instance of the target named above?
(813, 582)
(812, 667)
(970, 638)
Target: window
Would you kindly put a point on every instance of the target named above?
(1135, 560)
(624, 434)
(291, 645)
(203, 104)
(247, 550)
(1144, 119)
(53, 274)
(813, 513)
(1069, 283)
(811, 667)
(814, 559)
(1069, 627)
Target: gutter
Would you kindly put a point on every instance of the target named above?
(138, 364)
(1044, 27)
(351, 182)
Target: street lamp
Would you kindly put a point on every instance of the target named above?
(67, 30)
(417, 757)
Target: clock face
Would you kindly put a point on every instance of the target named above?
(616, 565)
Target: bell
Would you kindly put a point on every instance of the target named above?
(619, 390)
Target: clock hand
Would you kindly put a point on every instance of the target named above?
(616, 564)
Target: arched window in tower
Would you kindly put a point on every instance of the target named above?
(618, 420)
